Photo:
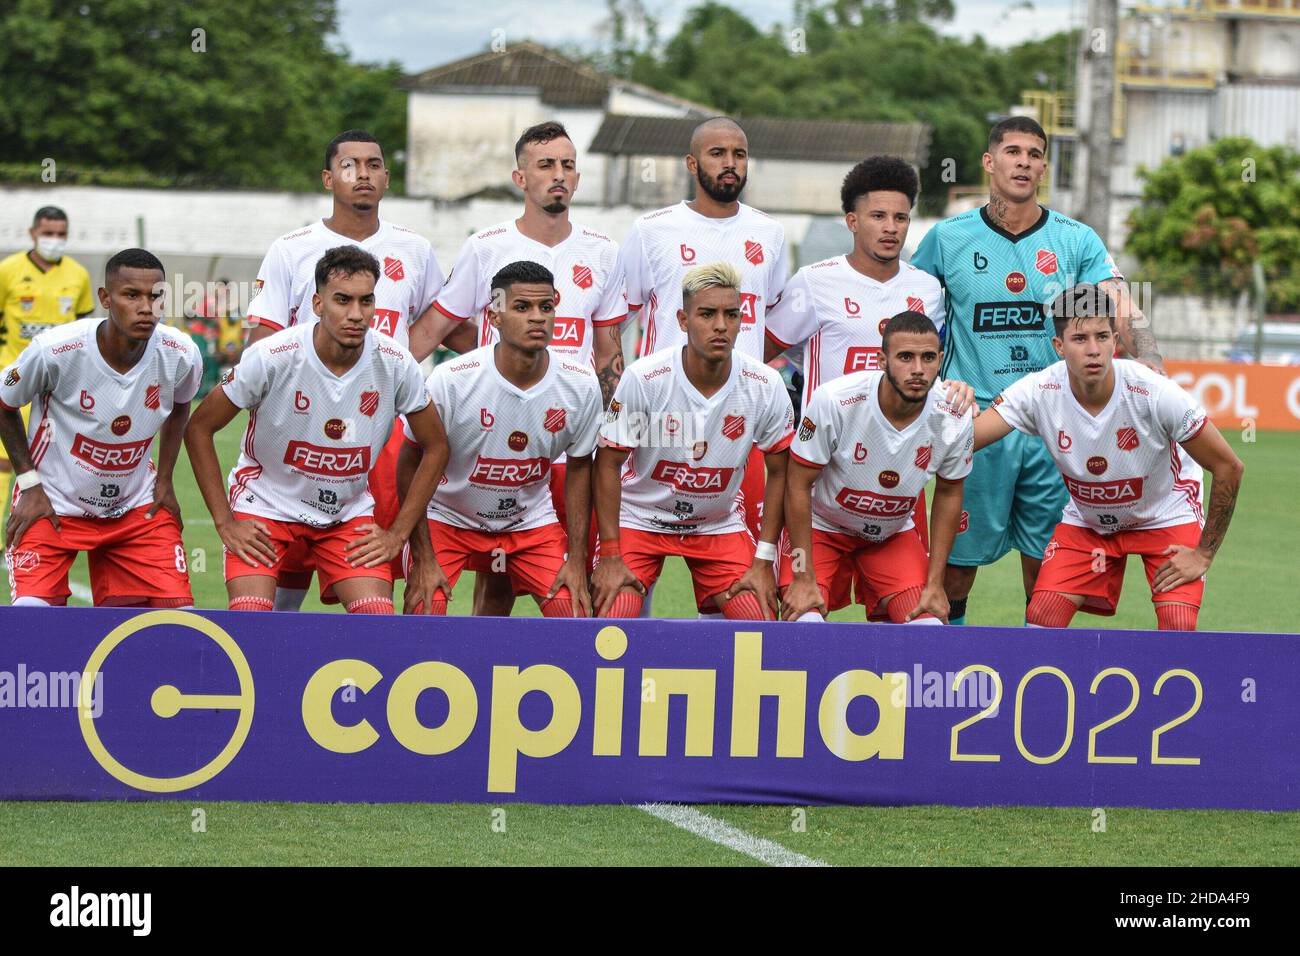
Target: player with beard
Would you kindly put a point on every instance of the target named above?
(357, 178)
(674, 442)
(715, 226)
(103, 389)
(511, 409)
(868, 442)
(590, 306)
(1130, 444)
(322, 398)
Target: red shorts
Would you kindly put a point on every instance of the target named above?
(1081, 561)
(132, 559)
(531, 558)
(716, 561)
(880, 569)
(922, 526)
(298, 565)
(324, 546)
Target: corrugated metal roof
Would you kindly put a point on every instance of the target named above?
(822, 140)
(559, 80)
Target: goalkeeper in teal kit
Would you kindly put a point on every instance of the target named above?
(1000, 266)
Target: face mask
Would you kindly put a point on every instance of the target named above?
(50, 249)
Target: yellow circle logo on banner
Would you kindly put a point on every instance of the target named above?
(168, 701)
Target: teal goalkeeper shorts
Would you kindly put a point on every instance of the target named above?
(1013, 498)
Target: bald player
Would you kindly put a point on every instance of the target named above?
(715, 226)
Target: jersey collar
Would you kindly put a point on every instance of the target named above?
(1014, 237)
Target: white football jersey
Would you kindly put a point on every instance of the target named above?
(504, 440)
(1123, 467)
(313, 436)
(663, 245)
(838, 315)
(871, 473)
(587, 279)
(409, 277)
(92, 427)
(688, 452)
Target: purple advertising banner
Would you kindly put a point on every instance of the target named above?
(97, 704)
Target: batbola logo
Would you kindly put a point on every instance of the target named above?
(1097, 464)
(889, 479)
(1016, 282)
(121, 425)
(518, 441)
(334, 428)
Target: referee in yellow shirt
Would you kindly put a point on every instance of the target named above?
(39, 289)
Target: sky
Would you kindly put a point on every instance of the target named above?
(420, 34)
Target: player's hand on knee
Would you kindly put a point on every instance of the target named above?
(164, 496)
(33, 505)
(934, 601)
(424, 579)
(1184, 566)
(573, 577)
(249, 540)
(375, 548)
(758, 579)
(612, 575)
(803, 595)
(960, 396)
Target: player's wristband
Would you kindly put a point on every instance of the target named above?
(766, 551)
(611, 549)
(27, 480)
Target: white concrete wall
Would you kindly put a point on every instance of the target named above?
(1268, 49)
(632, 103)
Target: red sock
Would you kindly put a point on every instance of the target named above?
(902, 603)
(250, 603)
(371, 605)
(745, 606)
(1176, 617)
(1050, 609)
(626, 604)
(170, 602)
(558, 606)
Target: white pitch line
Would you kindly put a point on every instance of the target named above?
(724, 834)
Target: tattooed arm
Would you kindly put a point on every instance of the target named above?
(1132, 327)
(607, 346)
(1209, 450)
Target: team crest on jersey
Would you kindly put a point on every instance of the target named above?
(1046, 262)
(733, 426)
(964, 522)
(369, 403)
(393, 269)
(27, 302)
(554, 419)
(1097, 465)
(806, 429)
(688, 254)
(1126, 439)
(152, 397)
(1016, 282)
(922, 459)
(754, 252)
(11, 379)
(915, 305)
(582, 277)
(851, 307)
(517, 441)
(121, 425)
(24, 560)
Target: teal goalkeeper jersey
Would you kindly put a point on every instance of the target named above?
(999, 290)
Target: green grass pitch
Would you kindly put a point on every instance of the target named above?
(1246, 591)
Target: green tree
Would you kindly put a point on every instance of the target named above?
(1208, 215)
(211, 92)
